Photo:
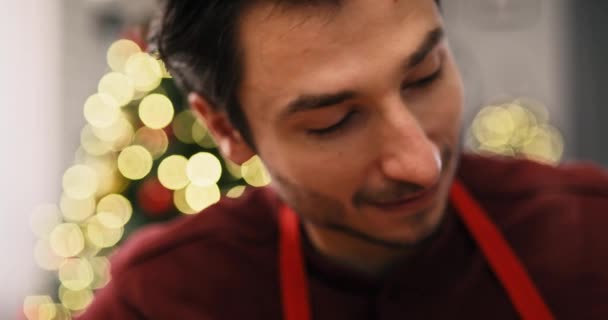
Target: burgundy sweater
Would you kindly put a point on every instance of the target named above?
(222, 263)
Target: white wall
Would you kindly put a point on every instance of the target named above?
(30, 135)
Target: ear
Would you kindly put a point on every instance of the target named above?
(229, 140)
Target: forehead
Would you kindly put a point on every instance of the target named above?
(290, 50)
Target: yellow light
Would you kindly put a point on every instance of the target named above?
(172, 172)
(92, 144)
(67, 240)
(45, 257)
(236, 192)
(201, 135)
(101, 269)
(101, 110)
(156, 111)
(233, 168)
(114, 211)
(75, 300)
(134, 162)
(179, 200)
(182, 126)
(204, 169)
(39, 308)
(144, 71)
(44, 219)
(102, 236)
(546, 145)
(76, 274)
(80, 182)
(109, 180)
(119, 52)
(201, 197)
(155, 141)
(493, 126)
(118, 135)
(76, 210)
(118, 86)
(254, 172)
(524, 121)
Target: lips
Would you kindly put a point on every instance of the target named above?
(411, 201)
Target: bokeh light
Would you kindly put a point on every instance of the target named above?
(201, 197)
(254, 172)
(79, 182)
(75, 300)
(179, 200)
(144, 71)
(117, 136)
(67, 240)
(172, 172)
(118, 86)
(101, 110)
(114, 211)
(155, 141)
(204, 169)
(76, 274)
(236, 191)
(101, 271)
(91, 143)
(135, 162)
(119, 53)
(39, 308)
(182, 126)
(156, 111)
(45, 257)
(76, 210)
(101, 235)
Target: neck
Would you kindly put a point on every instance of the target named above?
(364, 256)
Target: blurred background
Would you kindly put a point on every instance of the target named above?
(533, 73)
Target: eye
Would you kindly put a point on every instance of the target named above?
(334, 127)
(424, 82)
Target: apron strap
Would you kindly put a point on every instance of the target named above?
(501, 258)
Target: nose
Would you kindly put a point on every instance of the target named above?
(407, 153)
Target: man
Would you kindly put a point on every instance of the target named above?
(354, 106)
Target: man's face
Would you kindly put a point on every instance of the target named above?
(355, 111)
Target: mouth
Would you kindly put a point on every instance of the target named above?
(410, 203)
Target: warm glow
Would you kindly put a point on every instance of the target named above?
(135, 162)
(92, 144)
(39, 308)
(182, 126)
(114, 211)
(179, 200)
(67, 240)
(144, 71)
(155, 141)
(201, 197)
(101, 270)
(75, 300)
(101, 110)
(172, 172)
(119, 52)
(76, 274)
(80, 182)
(156, 111)
(118, 86)
(102, 236)
(118, 136)
(45, 257)
(76, 210)
(236, 192)
(204, 169)
(254, 172)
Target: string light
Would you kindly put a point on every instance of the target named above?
(119, 52)
(118, 86)
(67, 240)
(80, 182)
(155, 141)
(101, 110)
(135, 162)
(114, 211)
(204, 169)
(254, 172)
(144, 71)
(76, 210)
(172, 172)
(75, 300)
(236, 192)
(201, 197)
(76, 274)
(156, 111)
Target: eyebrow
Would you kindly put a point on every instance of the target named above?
(311, 102)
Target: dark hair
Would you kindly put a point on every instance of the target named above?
(197, 41)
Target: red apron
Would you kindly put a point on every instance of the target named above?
(500, 257)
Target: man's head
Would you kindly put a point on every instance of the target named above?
(354, 106)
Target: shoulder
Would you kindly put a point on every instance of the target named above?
(204, 259)
(555, 218)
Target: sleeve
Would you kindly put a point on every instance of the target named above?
(109, 303)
